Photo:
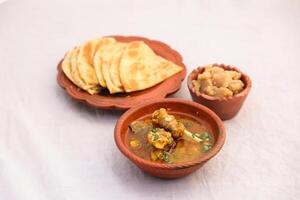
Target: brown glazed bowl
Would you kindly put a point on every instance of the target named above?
(123, 101)
(176, 106)
(225, 108)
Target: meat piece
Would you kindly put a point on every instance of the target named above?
(168, 122)
(160, 139)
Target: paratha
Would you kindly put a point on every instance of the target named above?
(77, 79)
(85, 63)
(141, 68)
(66, 65)
(107, 54)
(97, 59)
(114, 70)
(119, 67)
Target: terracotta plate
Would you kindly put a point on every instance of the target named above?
(124, 101)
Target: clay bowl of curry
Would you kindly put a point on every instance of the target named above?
(220, 87)
(169, 138)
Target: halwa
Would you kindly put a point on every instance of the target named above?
(217, 82)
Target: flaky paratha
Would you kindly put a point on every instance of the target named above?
(66, 65)
(114, 70)
(92, 89)
(97, 62)
(107, 54)
(85, 63)
(141, 68)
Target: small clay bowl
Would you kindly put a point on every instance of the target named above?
(225, 108)
(179, 107)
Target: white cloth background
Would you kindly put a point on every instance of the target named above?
(54, 148)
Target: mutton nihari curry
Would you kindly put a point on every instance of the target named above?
(166, 138)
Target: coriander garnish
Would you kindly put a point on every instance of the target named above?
(155, 136)
(206, 147)
(206, 136)
(196, 135)
(166, 157)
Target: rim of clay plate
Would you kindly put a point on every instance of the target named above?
(246, 80)
(140, 161)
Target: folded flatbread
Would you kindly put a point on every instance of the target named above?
(66, 65)
(141, 68)
(85, 63)
(107, 55)
(97, 61)
(76, 77)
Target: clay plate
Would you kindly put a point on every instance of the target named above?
(225, 108)
(180, 107)
(124, 101)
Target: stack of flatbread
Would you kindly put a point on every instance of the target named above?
(119, 67)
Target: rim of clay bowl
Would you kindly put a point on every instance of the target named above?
(136, 159)
(246, 80)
